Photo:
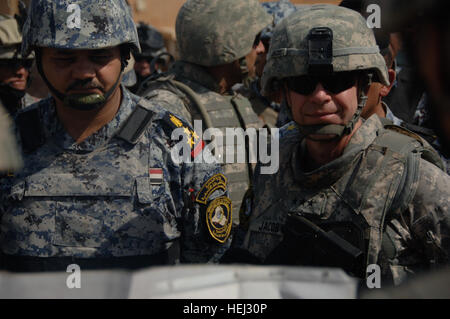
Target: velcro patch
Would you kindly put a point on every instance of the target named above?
(218, 218)
(218, 181)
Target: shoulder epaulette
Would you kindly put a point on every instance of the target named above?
(136, 124)
(30, 128)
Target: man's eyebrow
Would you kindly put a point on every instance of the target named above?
(101, 51)
(63, 52)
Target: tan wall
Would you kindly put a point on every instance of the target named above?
(163, 13)
(9, 7)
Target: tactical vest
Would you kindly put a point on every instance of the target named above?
(348, 224)
(221, 112)
(83, 208)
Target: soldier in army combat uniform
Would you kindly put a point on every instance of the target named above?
(154, 56)
(99, 186)
(267, 108)
(349, 192)
(218, 45)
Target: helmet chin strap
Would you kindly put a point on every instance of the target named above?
(338, 130)
(81, 102)
(244, 67)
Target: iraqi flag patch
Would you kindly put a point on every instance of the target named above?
(156, 176)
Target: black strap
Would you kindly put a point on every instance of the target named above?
(31, 130)
(136, 124)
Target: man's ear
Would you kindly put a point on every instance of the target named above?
(386, 89)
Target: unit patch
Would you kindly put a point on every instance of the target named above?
(218, 218)
(218, 181)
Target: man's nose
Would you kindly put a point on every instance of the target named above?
(21, 71)
(84, 69)
(320, 95)
(260, 48)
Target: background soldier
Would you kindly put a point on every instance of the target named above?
(348, 193)
(266, 108)
(99, 186)
(154, 56)
(218, 45)
(425, 30)
(14, 68)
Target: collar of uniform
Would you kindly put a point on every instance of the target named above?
(56, 130)
(196, 73)
(330, 173)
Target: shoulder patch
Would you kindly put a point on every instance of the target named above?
(218, 218)
(218, 181)
(195, 142)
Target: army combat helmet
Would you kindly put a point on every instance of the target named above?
(11, 40)
(217, 32)
(80, 25)
(319, 41)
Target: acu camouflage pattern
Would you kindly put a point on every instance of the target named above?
(266, 110)
(357, 188)
(225, 111)
(104, 23)
(97, 199)
(216, 32)
(10, 158)
(288, 54)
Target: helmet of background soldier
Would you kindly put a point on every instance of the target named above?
(216, 32)
(320, 40)
(353, 45)
(80, 24)
(10, 40)
(151, 41)
(278, 10)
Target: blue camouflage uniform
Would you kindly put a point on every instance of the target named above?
(104, 202)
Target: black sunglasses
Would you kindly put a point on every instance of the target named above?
(335, 83)
(15, 64)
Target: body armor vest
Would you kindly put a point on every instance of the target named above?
(347, 223)
(64, 213)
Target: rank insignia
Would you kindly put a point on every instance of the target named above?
(218, 181)
(195, 142)
(218, 218)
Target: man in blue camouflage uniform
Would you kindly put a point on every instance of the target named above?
(100, 187)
